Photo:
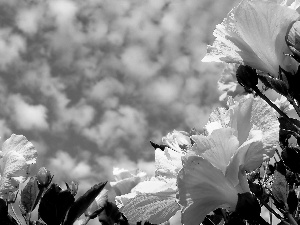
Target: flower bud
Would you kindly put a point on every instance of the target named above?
(248, 206)
(74, 188)
(292, 39)
(44, 177)
(11, 198)
(247, 77)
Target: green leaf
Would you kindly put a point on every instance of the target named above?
(154, 208)
(292, 201)
(55, 204)
(280, 188)
(111, 215)
(82, 203)
(278, 85)
(291, 158)
(97, 205)
(28, 195)
(5, 218)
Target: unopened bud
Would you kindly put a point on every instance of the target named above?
(247, 77)
(44, 177)
(74, 188)
(11, 198)
(292, 39)
(248, 206)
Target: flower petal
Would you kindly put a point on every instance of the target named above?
(253, 33)
(218, 148)
(203, 188)
(248, 157)
(167, 162)
(156, 185)
(21, 145)
(150, 207)
(124, 186)
(14, 172)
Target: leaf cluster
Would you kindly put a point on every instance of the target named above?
(57, 206)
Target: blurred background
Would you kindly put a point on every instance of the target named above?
(91, 82)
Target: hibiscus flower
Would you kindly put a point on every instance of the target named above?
(214, 169)
(17, 155)
(253, 34)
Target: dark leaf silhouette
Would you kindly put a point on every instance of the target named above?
(55, 204)
(291, 158)
(110, 215)
(292, 201)
(28, 196)
(83, 202)
(278, 85)
(5, 218)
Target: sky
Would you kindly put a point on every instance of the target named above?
(91, 82)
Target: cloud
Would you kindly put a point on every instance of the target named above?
(28, 19)
(120, 159)
(11, 45)
(5, 131)
(138, 64)
(64, 166)
(26, 116)
(78, 116)
(163, 91)
(106, 92)
(123, 124)
(64, 12)
(110, 74)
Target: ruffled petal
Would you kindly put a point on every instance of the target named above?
(177, 140)
(219, 118)
(19, 144)
(167, 162)
(253, 34)
(218, 148)
(15, 171)
(124, 186)
(126, 180)
(156, 185)
(155, 208)
(203, 188)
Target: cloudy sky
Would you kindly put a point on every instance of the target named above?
(91, 82)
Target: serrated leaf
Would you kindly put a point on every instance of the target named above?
(82, 203)
(55, 204)
(28, 195)
(280, 188)
(154, 208)
(278, 85)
